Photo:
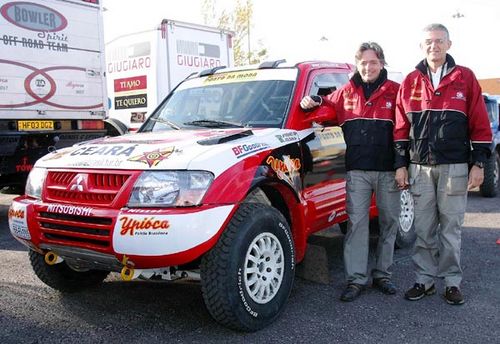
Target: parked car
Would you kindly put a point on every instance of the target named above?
(489, 188)
(224, 182)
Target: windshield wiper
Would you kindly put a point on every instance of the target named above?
(167, 122)
(214, 124)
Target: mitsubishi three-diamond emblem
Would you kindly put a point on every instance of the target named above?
(77, 183)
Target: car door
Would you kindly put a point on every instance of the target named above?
(324, 155)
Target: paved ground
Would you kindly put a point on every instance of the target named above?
(141, 312)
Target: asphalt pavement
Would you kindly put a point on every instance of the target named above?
(155, 312)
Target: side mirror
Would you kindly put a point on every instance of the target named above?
(322, 114)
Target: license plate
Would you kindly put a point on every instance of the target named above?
(35, 125)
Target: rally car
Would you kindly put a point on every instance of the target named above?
(224, 182)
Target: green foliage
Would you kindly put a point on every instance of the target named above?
(239, 21)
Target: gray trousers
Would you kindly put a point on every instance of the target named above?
(360, 187)
(440, 196)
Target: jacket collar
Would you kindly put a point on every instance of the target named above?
(422, 66)
(369, 88)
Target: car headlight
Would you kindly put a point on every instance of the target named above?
(170, 188)
(35, 181)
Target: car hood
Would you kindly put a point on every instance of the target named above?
(213, 150)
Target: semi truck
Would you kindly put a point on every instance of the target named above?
(143, 67)
(52, 82)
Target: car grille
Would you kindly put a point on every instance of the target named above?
(84, 188)
(86, 231)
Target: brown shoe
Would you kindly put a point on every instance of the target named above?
(418, 291)
(351, 292)
(453, 296)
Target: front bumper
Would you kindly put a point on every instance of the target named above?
(142, 238)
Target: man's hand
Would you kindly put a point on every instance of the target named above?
(402, 178)
(476, 177)
(308, 103)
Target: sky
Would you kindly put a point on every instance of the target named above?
(294, 29)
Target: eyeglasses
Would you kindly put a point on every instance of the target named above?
(438, 41)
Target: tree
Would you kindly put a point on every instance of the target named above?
(239, 21)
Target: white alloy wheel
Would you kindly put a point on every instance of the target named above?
(406, 215)
(264, 268)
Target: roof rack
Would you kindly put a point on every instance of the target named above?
(271, 64)
(210, 71)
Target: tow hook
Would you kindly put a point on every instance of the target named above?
(51, 258)
(129, 273)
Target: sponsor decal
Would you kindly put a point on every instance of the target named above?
(230, 77)
(416, 91)
(286, 169)
(350, 101)
(153, 158)
(55, 155)
(288, 137)
(76, 87)
(96, 163)
(17, 214)
(286, 165)
(459, 96)
(143, 226)
(332, 216)
(388, 105)
(145, 211)
(33, 16)
(69, 210)
(132, 101)
(131, 84)
(104, 150)
(330, 136)
(246, 149)
(138, 117)
(18, 221)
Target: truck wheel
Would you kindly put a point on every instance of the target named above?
(491, 169)
(63, 278)
(114, 127)
(247, 277)
(406, 231)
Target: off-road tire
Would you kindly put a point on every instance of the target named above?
(406, 230)
(228, 296)
(62, 278)
(489, 188)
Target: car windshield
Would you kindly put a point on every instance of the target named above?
(257, 98)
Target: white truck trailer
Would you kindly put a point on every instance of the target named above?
(52, 85)
(143, 67)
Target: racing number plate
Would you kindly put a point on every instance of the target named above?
(35, 125)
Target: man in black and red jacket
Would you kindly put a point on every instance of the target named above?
(364, 109)
(441, 126)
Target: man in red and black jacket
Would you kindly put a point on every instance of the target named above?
(364, 109)
(441, 126)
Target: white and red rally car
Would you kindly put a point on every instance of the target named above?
(225, 182)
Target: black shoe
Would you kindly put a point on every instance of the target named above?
(384, 285)
(418, 291)
(351, 292)
(453, 296)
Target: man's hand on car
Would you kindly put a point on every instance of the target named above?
(310, 102)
